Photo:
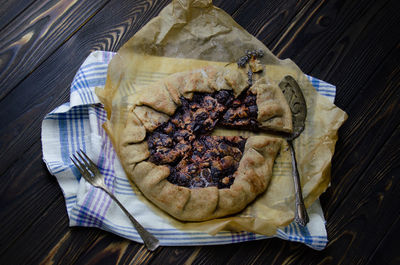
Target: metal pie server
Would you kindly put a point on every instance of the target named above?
(297, 103)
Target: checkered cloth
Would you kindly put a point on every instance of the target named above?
(77, 125)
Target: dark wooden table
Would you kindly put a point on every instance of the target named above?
(352, 44)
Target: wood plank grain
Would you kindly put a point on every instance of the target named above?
(74, 241)
(250, 252)
(174, 255)
(218, 254)
(363, 218)
(34, 241)
(361, 48)
(111, 249)
(374, 114)
(266, 20)
(39, 31)
(320, 37)
(313, 31)
(11, 10)
(24, 189)
(387, 251)
(50, 240)
(229, 7)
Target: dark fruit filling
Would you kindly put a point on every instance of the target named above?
(242, 112)
(195, 158)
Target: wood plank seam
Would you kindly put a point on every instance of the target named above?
(371, 256)
(18, 158)
(19, 14)
(241, 5)
(292, 22)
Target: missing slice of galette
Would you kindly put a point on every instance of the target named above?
(168, 151)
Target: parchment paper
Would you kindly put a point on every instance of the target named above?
(189, 34)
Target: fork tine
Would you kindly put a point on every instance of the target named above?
(82, 169)
(85, 162)
(75, 163)
(91, 165)
(80, 166)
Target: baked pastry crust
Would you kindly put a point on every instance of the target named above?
(155, 103)
(199, 204)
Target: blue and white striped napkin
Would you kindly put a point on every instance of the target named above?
(78, 125)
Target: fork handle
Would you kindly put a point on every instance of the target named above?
(301, 216)
(150, 241)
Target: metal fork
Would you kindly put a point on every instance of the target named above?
(91, 174)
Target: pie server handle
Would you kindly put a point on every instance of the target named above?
(301, 216)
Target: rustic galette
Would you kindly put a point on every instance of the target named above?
(169, 153)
